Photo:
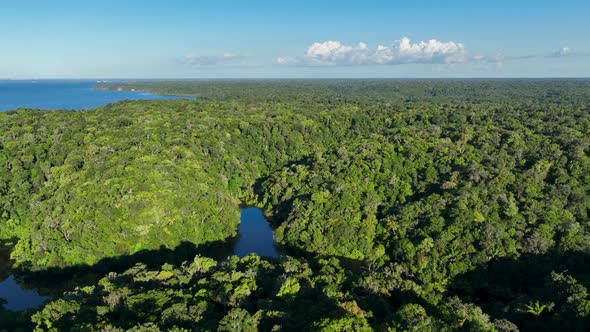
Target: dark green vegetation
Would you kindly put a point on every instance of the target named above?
(329, 92)
(418, 205)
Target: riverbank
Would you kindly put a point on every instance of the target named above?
(23, 289)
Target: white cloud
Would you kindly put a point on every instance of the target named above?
(334, 53)
(226, 59)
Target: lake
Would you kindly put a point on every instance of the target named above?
(64, 94)
(254, 236)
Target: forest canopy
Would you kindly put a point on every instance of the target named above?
(404, 203)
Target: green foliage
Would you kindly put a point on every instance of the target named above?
(14, 321)
(535, 308)
(289, 288)
(413, 317)
(353, 324)
(237, 320)
(238, 295)
(394, 191)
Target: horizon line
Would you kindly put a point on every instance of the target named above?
(294, 78)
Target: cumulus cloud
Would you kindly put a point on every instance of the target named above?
(334, 53)
(226, 59)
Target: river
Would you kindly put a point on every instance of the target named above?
(254, 236)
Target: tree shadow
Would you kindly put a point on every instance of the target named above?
(302, 311)
(534, 291)
(60, 282)
(6, 262)
(54, 281)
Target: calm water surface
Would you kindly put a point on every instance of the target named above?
(56, 94)
(254, 236)
(18, 298)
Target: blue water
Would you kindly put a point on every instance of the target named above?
(56, 94)
(18, 298)
(254, 235)
(49, 94)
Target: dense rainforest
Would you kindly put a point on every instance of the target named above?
(422, 205)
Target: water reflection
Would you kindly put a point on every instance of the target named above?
(254, 236)
(16, 297)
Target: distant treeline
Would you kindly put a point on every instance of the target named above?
(511, 91)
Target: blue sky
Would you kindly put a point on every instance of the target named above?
(252, 39)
